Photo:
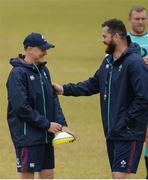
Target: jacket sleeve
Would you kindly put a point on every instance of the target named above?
(18, 97)
(138, 108)
(85, 88)
(59, 116)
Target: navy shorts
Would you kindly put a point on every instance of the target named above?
(124, 156)
(35, 158)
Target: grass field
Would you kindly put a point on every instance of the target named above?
(74, 26)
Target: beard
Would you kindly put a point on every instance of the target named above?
(140, 30)
(111, 48)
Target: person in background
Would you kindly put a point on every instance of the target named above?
(138, 18)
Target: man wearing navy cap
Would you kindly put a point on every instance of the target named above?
(34, 112)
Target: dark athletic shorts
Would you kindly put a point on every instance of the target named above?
(35, 158)
(124, 156)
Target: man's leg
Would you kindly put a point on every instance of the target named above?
(23, 162)
(46, 174)
(47, 171)
(124, 157)
(26, 175)
(29, 160)
(111, 145)
(146, 152)
(120, 175)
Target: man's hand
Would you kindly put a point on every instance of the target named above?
(58, 88)
(55, 127)
(146, 60)
(66, 129)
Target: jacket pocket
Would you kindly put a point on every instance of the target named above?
(123, 131)
(23, 127)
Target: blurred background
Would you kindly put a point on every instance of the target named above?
(74, 26)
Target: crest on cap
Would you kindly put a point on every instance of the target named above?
(44, 38)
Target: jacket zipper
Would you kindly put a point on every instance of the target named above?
(109, 94)
(25, 128)
(43, 95)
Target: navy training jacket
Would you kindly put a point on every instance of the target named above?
(123, 88)
(32, 104)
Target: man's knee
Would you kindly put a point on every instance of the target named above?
(26, 175)
(120, 175)
(46, 174)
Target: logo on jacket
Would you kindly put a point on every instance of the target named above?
(32, 77)
(45, 74)
(107, 66)
(120, 67)
(123, 163)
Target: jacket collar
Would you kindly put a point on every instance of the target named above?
(19, 62)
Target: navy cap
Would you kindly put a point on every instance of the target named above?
(37, 40)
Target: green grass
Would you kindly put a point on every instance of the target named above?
(74, 26)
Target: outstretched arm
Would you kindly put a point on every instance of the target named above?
(84, 88)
